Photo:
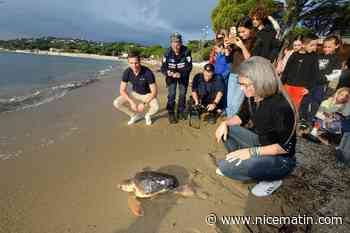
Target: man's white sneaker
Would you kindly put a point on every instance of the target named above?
(148, 120)
(264, 188)
(134, 119)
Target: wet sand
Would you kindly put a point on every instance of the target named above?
(60, 164)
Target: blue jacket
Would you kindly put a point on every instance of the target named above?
(222, 67)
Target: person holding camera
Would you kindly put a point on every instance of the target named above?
(241, 42)
(207, 93)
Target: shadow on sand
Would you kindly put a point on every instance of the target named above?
(155, 210)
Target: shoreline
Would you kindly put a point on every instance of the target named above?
(67, 54)
(148, 61)
(16, 100)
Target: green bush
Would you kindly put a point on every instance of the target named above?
(206, 53)
(228, 12)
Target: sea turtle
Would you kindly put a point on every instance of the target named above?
(147, 184)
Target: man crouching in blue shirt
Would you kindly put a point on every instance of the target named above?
(144, 91)
(207, 93)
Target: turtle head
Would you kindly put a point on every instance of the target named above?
(127, 186)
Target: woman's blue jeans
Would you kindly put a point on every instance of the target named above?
(235, 95)
(267, 168)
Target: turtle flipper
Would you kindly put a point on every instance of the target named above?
(135, 205)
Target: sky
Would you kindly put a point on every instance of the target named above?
(143, 21)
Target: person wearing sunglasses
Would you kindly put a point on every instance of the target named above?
(265, 151)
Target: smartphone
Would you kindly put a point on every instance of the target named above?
(233, 31)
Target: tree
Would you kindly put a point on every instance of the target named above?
(156, 50)
(206, 53)
(228, 12)
(83, 46)
(322, 16)
(194, 45)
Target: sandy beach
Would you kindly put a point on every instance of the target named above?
(61, 163)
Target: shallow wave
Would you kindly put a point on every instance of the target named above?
(104, 71)
(39, 97)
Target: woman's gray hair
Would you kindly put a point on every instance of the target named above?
(264, 77)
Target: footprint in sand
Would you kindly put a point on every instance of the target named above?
(70, 132)
(46, 142)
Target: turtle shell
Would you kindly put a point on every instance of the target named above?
(150, 182)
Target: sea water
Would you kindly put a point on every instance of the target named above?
(29, 80)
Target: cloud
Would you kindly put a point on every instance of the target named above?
(147, 21)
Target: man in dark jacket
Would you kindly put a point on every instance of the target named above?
(177, 66)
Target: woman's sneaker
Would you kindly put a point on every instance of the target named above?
(148, 119)
(219, 172)
(264, 188)
(134, 119)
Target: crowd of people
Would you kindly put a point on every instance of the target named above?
(265, 96)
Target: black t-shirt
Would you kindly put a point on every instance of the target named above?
(273, 121)
(207, 90)
(140, 83)
(302, 70)
(266, 44)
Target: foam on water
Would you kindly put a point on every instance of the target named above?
(39, 97)
(30, 80)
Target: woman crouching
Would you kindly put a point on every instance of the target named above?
(264, 152)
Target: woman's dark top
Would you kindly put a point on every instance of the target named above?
(273, 121)
(237, 55)
(267, 45)
(302, 70)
